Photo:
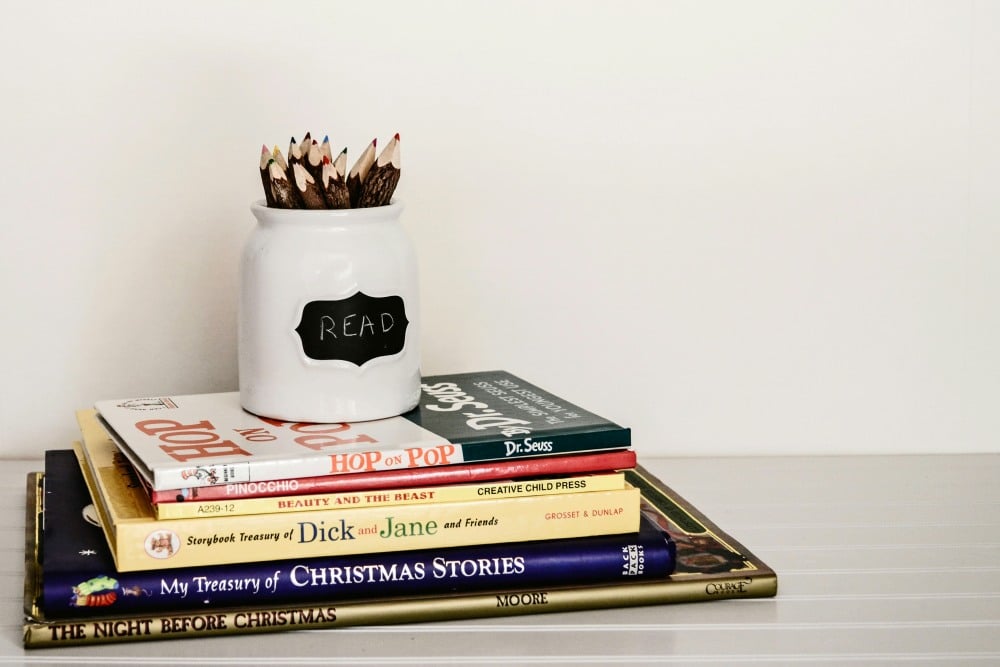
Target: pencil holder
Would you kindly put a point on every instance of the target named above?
(329, 315)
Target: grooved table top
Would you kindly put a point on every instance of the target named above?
(882, 559)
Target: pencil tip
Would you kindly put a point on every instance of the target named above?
(396, 137)
(264, 150)
(326, 139)
(344, 152)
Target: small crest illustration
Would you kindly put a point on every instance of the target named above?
(148, 404)
(205, 474)
(162, 544)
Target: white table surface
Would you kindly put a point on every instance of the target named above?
(880, 560)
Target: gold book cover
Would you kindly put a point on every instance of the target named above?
(711, 566)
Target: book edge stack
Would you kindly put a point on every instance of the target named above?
(745, 576)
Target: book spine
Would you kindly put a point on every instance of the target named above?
(393, 479)
(371, 460)
(393, 611)
(389, 498)
(551, 444)
(650, 554)
(152, 544)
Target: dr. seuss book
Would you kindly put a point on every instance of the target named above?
(710, 566)
(208, 439)
(139, 541)
(80, 579)
(403, 478)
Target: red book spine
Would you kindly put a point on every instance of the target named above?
(397, 479)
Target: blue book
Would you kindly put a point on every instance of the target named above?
(79, 578)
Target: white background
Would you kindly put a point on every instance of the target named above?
(739, 228)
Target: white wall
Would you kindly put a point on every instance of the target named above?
(737, 227)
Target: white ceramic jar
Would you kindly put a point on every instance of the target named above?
(329, 323)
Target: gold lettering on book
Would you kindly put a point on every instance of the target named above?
(68, 631)
(523, 599)
(121, 628)
(727, 588)
(193, 623)
(266, 619)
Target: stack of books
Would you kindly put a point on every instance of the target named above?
(187, 516)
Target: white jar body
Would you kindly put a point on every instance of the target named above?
(329, 318)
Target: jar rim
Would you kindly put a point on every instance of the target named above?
(391, 210)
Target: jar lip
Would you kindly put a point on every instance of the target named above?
(392, 209)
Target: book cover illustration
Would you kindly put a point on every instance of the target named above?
(711, 566)
(80, 579)
(208, 439)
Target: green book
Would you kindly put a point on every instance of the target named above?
(178, 442)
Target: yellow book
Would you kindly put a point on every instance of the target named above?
(388, 497)
(139, 541)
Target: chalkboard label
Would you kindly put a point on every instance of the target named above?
(356, 329)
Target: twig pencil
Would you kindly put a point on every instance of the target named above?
(313, 178)
(281, 188)
(294, 154)
(265, 178)
(334, 186)
(280, 159)
(313, 161)
(307, 188)
(359, 172)
(382, 178)
(304, 149)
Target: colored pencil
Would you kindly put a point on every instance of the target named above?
(281, 188)
(265, 178)
(308, 189)
(313, 161)
(333, 183)
(358, 173)
(325, 148)
(280, 159)
(294, 152)
(382, 178)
